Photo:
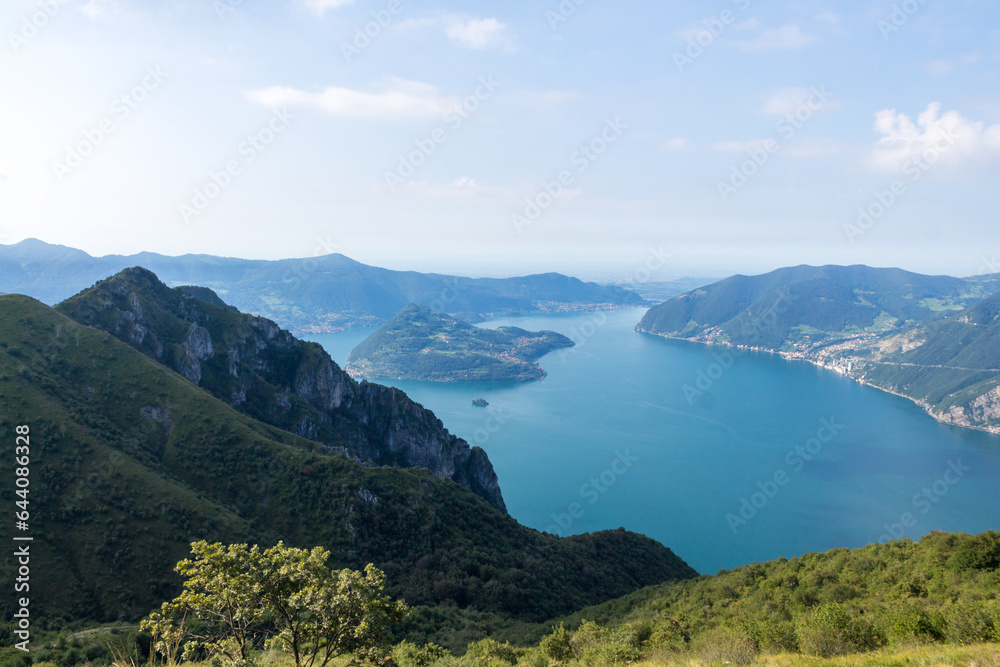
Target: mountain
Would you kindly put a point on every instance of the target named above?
(807, 303)
(420, 344)
(268, 374)
(316, 294)
(930, 338)
(130, 461)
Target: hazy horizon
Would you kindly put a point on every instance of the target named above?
(651, 270)
(474, 138)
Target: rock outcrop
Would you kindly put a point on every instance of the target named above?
(267, 373)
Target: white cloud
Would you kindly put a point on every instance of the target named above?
(950, 138)
(740, 146)
(95, 9)
(938, 67)
(478, 34)
(786, 101)
(320, 6)
(943, 66)
(816, 148)
(829, 17)
(786, 37)
(676, 144)
(463, 187)
(550, 98)
(412, 23)
(397, 99)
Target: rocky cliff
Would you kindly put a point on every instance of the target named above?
(267, 373)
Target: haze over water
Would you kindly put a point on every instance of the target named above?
(612, 431)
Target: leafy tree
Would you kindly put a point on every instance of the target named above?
(324, 614)
(222, 599)
(235, 598)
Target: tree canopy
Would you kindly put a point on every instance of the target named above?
(237, 599)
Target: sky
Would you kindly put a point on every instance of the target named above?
(599, 139)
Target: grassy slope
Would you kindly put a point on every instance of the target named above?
(118, 495)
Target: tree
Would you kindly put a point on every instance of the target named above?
(235, 598)
(324, 613)
(220, 598)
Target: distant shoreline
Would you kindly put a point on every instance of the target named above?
(789, 357)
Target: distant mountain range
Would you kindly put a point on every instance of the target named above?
(934, 339)
(420, 344)
(307, 295)
(161, 416)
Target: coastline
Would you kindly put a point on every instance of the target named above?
(993, 430)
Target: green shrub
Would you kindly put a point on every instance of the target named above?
(586, 638)
(668, 635)
(973, 622)
(489, 651)
(556, 645)
(913, 624)
(727, 644)
(408, 654)
(620, 646)
(774, 635)
(830, 630)
(593, 645)
(980, 552)
(535, 659)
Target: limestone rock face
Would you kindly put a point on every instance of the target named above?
(264, 371)
(981, 412)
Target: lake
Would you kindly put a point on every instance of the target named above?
(725, 459)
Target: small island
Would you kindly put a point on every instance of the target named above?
(480, 402)
(421, 344)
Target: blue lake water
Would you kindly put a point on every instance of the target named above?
(774, 458)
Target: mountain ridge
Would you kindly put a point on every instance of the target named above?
(307, 295)
(268, 374)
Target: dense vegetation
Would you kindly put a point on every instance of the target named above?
(932, 602)
(420, 344)
(136, 463)
(321, 292)
(946, 588)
